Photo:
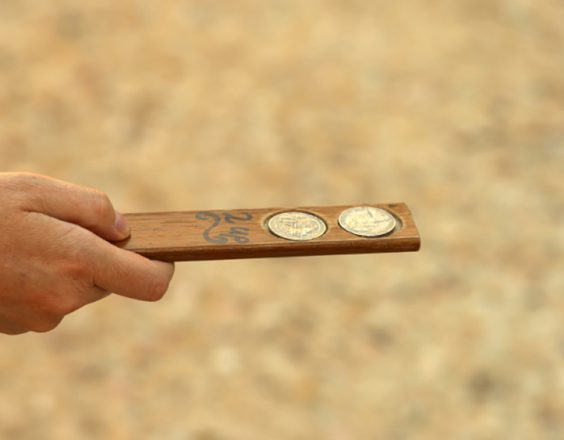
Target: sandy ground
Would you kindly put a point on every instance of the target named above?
(455, 107)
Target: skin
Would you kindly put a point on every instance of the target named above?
(56, 255)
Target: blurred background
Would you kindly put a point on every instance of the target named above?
(455, 107)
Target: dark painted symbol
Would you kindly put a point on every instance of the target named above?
(238, 234)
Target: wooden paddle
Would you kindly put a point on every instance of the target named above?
(245, 233)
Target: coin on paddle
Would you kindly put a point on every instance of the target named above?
(297, 226)
(367, 221)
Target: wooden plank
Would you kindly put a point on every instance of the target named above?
(243, 233)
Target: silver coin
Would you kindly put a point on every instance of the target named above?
(297, 226)
(367, 221)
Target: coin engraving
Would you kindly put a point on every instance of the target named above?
(297, 226)
(367, 221)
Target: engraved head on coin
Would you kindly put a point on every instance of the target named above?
(297, 226)
(367, 221)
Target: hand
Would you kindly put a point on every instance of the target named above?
(55, 257)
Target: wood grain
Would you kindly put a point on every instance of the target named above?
(188, 236)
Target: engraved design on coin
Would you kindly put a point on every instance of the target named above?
(297, 226)
(367, 221)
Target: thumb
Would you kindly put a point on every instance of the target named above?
(86, 207)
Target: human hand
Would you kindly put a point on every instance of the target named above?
(54, 257)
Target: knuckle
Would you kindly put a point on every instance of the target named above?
(57, 305)
(12, 332)
(62, 307)
(43, 324)
(30, 185)
(23, 186)
(25, 180)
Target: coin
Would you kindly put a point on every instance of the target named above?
(367, 221)
(297, 226)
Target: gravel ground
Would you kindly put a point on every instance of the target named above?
(455, 107)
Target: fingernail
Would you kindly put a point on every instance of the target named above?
(121, 224)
